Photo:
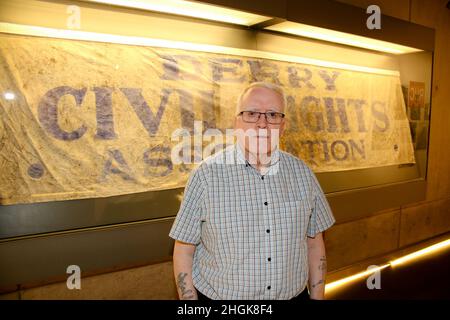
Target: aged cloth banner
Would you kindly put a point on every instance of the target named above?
(84, 119)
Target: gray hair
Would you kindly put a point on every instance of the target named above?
(271, 86)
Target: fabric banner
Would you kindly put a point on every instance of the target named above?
(84, 119)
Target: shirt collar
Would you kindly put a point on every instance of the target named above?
(274, 159)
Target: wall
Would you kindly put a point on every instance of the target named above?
(348, 243)
(390, 230)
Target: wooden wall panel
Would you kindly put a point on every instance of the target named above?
(430, 13)
(10, 296)
(150, 282)
(348, 243)
(424, 221)
(434, 14)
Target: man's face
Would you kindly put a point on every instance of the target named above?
(260, 137)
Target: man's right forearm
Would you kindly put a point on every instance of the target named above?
(183, 256)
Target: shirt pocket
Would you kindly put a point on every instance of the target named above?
(294, 216)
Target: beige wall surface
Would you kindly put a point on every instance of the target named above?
(347, 243)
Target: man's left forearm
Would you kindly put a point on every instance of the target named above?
(317, 263)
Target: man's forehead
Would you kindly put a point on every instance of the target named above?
(263, 95)
(262, 91)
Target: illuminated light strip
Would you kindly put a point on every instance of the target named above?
(338, 283)
(19, 29)
(417, 254)
(340, 37)
(190, 9)
(412, 256)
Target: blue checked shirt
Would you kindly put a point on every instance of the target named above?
(249, 229)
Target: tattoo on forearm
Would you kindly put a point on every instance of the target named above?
(317, 283)
(323, 264)
(323, 268)
(181, 283)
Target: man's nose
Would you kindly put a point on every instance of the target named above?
(262, 121)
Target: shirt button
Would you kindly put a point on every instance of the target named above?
(269, 259)
(262, 178)
(265, 203)
(268, 288)
(268, 230)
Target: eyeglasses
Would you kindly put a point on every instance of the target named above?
(253, 116)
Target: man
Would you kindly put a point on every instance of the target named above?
(251, 221)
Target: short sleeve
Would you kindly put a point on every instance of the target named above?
(321, 216)
(187, 224)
